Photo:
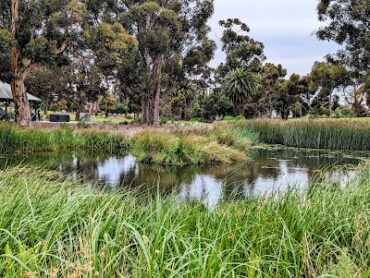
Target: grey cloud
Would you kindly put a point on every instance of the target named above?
(286, 28)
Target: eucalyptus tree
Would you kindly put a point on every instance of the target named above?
(270, 90)
(300, 90)
(293, 96)
(347, 22)
(328, 77)
(164, 29)
(35, 32)
(239, 85)
(241, 50)
(47, 84)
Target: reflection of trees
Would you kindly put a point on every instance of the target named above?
(168, 178)
(83, 168)
(237, 179)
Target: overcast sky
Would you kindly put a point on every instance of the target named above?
(286, 27)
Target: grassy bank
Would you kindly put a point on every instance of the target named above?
(49, 228)
(186, 148)
(318, 134)
(166, 148)
(14, 139)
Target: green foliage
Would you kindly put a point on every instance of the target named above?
(241, 50)
(327, 77)
(273, 94)
(6, 43)
(239, 118)
(229, 118)
(234, 137)
(239, 85)
(346, 22)
(317, 134)
(346, 111)
(51, 228)
(111, 45)
(212, 106)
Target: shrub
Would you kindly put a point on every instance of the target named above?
(229, 118)
(240, 118)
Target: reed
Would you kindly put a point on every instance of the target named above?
(317, 134)
(14, 139)
(177, 148)
(50, 228)
(183, 149)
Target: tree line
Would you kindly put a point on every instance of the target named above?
(152, 57)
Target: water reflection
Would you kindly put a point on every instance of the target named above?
(269, 171)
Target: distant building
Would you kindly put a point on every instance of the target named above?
(6, 94)
(6, 98)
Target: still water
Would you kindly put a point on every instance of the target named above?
(269, 170)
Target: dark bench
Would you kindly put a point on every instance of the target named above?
(55, 118)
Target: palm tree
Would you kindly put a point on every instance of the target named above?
(239, 85)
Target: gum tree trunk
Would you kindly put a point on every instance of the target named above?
(21, 103)
(145, 109)
(156, 90)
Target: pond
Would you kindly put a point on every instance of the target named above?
(270, 170)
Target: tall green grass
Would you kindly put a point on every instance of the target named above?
(184, 149)
(318, 134)
(49, 228)
(14, 139)
(179, 148)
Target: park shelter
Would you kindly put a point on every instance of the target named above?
(6, 97)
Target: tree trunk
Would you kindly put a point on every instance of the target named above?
(238, 108)
(156, 90)
(150, 111)
(156, 100)
(145, 109)
(21, 103)
(331, 114)
(46, 108)
(78, 115)
(93, 108)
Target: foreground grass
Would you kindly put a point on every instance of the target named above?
(319, 134)
(48, 228)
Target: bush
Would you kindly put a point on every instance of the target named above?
(197, 120)
(120, 109)
(164, 121)
(229, 118)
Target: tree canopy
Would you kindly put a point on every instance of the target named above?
(152, 58)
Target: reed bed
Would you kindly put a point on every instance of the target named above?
(186, 148)
(50, 228)
(331, 134)
(165, 148)
(14, 139)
